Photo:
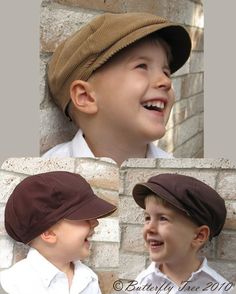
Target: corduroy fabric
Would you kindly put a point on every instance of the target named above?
(90, 47)
(198, 200)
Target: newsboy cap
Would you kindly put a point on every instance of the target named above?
(195, 198)
(41, 200)
(86, 50)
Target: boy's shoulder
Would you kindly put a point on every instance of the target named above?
(77, 147)
(11, 277)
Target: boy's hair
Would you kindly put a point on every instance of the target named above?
(194, 198)
(41, 200)
(90, 47)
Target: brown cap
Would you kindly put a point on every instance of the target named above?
(40, 201)
(198, 200)
(90, 47)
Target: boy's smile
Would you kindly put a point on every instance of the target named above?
(134, 92)
(73, 237)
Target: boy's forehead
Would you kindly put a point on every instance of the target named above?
(144, 49)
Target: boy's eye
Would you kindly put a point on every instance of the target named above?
(163, 218)
(147, 218)
(167, 73)
(142, 65)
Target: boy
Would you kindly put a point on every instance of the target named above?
(55, 213)
(181, 214)
(112, 78)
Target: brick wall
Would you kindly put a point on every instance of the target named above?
(219, 174)
(60, 18)
(104, 179)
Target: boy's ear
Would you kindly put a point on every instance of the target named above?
(201, 236)
(49, 236)
(82, 96)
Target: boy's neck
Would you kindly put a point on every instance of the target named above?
(181, 271)
(62, 265)
(115, 147)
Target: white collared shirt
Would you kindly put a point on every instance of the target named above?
(204, 280)
(36, 275)
(78, 147)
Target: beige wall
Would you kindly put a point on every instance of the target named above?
(59, 18)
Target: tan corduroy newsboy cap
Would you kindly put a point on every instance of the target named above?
(90, 47)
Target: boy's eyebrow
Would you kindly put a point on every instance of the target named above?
(148, 59)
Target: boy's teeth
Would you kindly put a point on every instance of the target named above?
(156, 243)
(154, 105)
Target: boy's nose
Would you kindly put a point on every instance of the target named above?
(152, 227)
(162, 81)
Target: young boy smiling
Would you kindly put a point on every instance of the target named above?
(112, 78)
(55, 213)
(181, 214)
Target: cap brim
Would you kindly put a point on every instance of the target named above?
(140, 191)
(94, 208)
(175, 35)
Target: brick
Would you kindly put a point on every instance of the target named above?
(105, 176)
(107, 5)
(20, 251)
(196, 62)
(130, 212)
(226, 246)
(43, 90)
(185, 69)
(132, 239)
(203, 163)
(192, 85)
(6, 252)
(208, 250)
(177, 84)
(105, 255)
(2, 226)
(181, 133)
(55, 128)
(134, 176)
(140, 162)
(110, 196)
(107, 231)
(190, 148)
(226, 185)
(197, 37)
(131, 265)
(106, 280)
(226, 269)
(231, 215)
(185, 108)
(57, 24)
(31, 166)
(8, 183)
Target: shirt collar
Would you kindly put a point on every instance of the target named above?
(47, 271)
(80, 148)
(154, 269)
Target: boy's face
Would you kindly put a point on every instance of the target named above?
(134, 91)
(72, 238)
(168, 233)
